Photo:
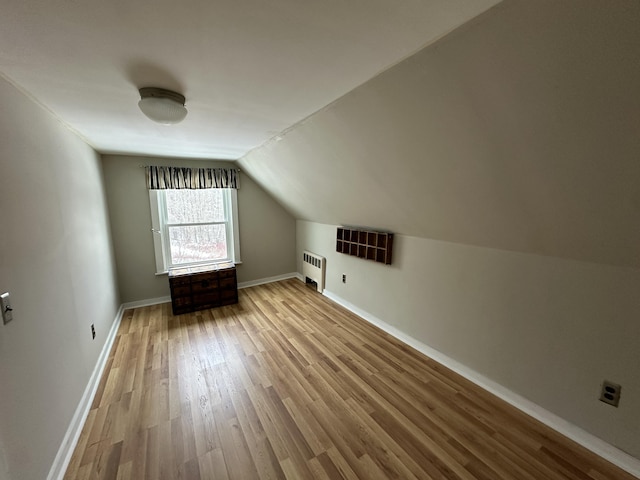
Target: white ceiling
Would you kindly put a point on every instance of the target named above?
(249, 70)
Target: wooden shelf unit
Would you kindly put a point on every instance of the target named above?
(367, 244)
(201, 287)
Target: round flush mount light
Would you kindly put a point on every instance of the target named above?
(162, 106)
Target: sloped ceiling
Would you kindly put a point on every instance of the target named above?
(248, 69)
(519, 131)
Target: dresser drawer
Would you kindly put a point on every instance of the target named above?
(205, 277)
(226, 283)
(182, 305)
(182, 280)
(229, 294)
(203, 284)
(227, 273)
(210, 298)
(181, 290)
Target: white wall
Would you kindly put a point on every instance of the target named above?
(549, 329)
(518, 131)
(267, 231)
(56, 261)
(505, 158)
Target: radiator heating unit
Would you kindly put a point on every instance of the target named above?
(313, 269)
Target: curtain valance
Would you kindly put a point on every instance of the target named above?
(163, 178)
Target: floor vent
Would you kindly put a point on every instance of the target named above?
(313, 269)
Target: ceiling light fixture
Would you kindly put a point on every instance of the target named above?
(162, 106)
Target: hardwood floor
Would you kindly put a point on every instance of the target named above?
(287, 384)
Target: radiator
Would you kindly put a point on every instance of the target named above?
(313, 269)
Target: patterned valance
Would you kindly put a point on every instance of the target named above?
(163, 178)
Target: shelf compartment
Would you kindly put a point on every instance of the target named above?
(364, 243)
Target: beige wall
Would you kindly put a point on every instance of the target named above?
(505, 158)
(267, 231)
(56, 262)
(518, 131)
(546, 328)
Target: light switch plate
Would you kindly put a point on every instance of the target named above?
(5, 305)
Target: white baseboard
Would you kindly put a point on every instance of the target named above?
(70, 440)
(262, 281)
(145, 303)
(591, 442)
(251, 283)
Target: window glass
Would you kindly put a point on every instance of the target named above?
(197, 243)
(194, 227)
(195, 206)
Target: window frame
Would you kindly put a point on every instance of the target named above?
(160, 230)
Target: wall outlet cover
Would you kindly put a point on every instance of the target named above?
(610, 393)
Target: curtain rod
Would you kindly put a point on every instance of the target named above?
(145, 166)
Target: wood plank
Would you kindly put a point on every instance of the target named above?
(287, 384)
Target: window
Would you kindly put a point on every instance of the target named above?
(192, 227)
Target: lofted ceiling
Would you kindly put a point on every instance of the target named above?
(519, 132)
(249, 70)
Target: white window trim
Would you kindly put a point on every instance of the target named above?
(161, 248)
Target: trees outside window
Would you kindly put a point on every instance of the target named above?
(194, 226)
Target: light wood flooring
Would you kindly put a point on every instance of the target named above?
(287, 384)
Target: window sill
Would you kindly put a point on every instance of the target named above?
(166, 272)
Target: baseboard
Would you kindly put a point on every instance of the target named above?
(70, 440)
(145, 303)
(262, 281)
(591, 442)
(252, 283)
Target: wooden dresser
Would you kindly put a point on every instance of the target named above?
(201, 287)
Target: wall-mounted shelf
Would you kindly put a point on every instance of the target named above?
(367, 244)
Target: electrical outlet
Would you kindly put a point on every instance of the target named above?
(344, 278)
(7, 310)
(93, 331)
(610, 393)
